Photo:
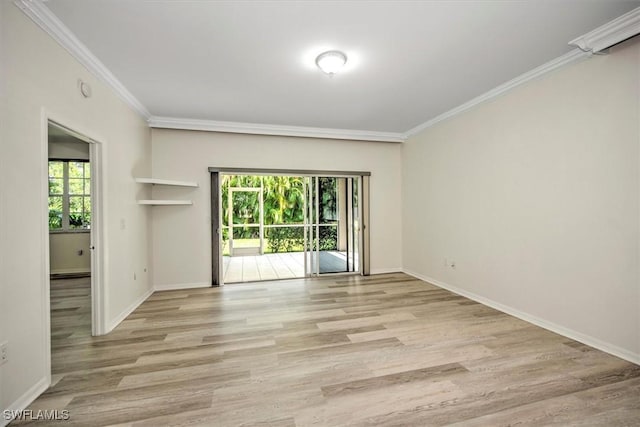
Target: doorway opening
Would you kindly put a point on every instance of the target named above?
(73, 285)
(272, 225)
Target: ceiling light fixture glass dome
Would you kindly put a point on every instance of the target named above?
(331, 61)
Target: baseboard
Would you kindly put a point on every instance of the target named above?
(127, 311)
(553, 327)
(25, 400)
(385, 270)
(177, 286)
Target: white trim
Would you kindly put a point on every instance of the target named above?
(98, 237)
(176, 286)
(611, 33)
(127, 311)
(385, 271)
(156, 181)
(45, 19)
(553, 327)
(26, 399)
(537, 72)
(45, 252)
(279, 130)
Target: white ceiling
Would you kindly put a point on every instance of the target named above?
(253, 61)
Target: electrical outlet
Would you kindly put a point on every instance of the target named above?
(4, 353)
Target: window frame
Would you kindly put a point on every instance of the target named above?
(65, 220)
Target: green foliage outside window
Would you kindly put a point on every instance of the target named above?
(285, 239)
(283, 204)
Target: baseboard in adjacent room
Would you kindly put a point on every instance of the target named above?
(70, 271)
(54, 276)
(553, 327)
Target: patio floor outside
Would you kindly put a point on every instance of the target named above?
(275, 266)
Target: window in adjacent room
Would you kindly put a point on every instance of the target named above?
(69, 195)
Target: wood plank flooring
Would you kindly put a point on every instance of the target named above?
(386, 350)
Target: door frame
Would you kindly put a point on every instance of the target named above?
(216, 202)
(96, 159)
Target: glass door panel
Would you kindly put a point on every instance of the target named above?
(354, 224)
(331, 225)
(310, 232)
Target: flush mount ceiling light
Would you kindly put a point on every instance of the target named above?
(331, 61)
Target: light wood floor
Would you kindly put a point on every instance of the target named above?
(385, 350)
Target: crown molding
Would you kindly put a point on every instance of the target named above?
(603, 37)
(45, 19)
(561, 61)
(263, 129)
(611, 33)
(616, 31)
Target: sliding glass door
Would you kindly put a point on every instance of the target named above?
(272, 225)
(332, 225)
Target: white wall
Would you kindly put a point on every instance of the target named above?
(68, 150)
(64, 252)
(38, 74)
(535, 195)
(182, 234)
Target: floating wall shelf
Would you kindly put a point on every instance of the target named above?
(168, 182)
(157, 181)
(165, 202)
